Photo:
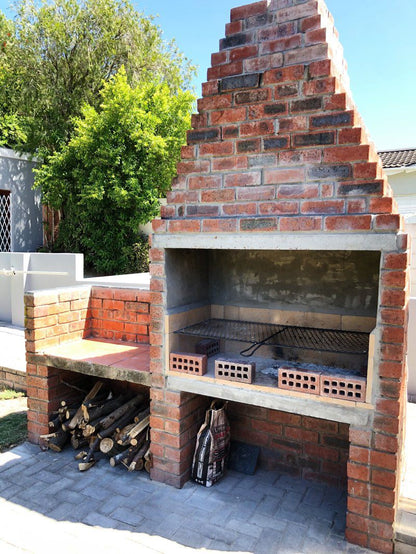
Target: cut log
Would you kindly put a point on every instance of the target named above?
(115, 460)
(139, 427)
(137, 462)
(119, 412)
(106, 445)
(78, 442)
(148, 465)
(98, 412)
(78, 416)
(83, 466)
(59, 440)
(122, 436)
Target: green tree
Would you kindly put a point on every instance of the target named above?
(58, 54)
(109, 177)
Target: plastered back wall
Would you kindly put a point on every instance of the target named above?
(16, 176)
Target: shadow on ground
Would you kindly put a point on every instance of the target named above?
(47, 505)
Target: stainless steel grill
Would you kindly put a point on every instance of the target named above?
(259, 334)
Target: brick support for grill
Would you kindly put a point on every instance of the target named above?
(278, 148)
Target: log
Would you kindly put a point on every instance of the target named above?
(98, 412)
(115, 460)
(78, 442)
(119, 412)
(139, 427)
(142, 414)
(148, 465)
(137, 462)
(78, 416)
(124, 420)
(139, 439)
(58, 441)
(122, 436)
(106, 445)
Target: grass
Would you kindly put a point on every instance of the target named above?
(13, 430)
(13, 427)
(8, 394)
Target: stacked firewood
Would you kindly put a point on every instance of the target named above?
(117, 426)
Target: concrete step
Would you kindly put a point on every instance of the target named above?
(406, 527)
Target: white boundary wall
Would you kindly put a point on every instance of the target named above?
(16, 278)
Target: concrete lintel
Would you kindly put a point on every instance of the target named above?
(94, 369)
(280, 241)
(308, 407)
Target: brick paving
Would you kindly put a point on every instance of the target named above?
(47, 505)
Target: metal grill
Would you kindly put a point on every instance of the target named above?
(5, 227)
(258, 334)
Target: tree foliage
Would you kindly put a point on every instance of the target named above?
(121, 159)
(56, 56)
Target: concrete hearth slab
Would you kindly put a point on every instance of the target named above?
(102, 358)
(12, 347)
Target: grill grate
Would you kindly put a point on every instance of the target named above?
(306, 338)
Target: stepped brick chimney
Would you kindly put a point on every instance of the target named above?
(278, 159)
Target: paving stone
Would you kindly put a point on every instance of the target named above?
(291, 501)
(125, 515)
(266, 522)
(96, 519)
(243, 526)
(133, 500)
(189, 537)
(314, 497)
(269, 542)
(244, 543)
(294, 536)
(63, 511)
(169, 526)
(244, 509)
(10, 492)
(269, 506)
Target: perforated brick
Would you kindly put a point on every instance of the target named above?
(235, 370)
(210, 347)
(299, 380)
(345, 387)
(195, 364)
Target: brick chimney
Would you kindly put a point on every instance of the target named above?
(278, 149)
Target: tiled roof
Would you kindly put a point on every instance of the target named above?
(398, 158)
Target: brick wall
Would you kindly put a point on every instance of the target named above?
(56, 317)
(307, 447)
(120, 314)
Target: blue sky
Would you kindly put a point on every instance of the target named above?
(379, 43)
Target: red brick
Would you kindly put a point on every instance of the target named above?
(273, 208)
(201, 166)
(230, 115)
(394, 279)
(392, 297)
(300, 223)
(209, 88)
(356, 206)
(366, 170)
(240, 209)
(348, 223)
(242, 179)
(380, 545)
(323, 207)
(225, 70)
(381, 205)
(219, 58)
(292, 73)
(219, 225)
(320, 86)
(205, 182)
(276, 176)
(243, 53)
(256, 193)
(346, 153)
(350, 136)
(218, 195)
(385, 424)
(280, 45)
(393, 316)
(257, 128)
(396, 261)
(393, 335)
(233, 163)
(380, 529)
(391, 222)
(336, 102)
(358, 472)
(386, 443)
(320, 68)
(306, 54)
(358, 506)
(357, 522)
(383, 513)
(359, 454)
(356, 537)
(198, 121)
(315, 36)
(384, 460)
(242, 12)
(215, 102)
(216, 149)
(233, 28)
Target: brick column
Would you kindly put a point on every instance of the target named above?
(51, 318)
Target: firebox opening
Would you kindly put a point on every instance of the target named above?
(306, 311)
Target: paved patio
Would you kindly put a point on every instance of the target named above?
(47, 505)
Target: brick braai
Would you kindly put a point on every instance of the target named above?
(278, 150)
